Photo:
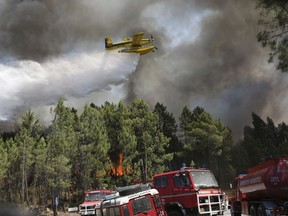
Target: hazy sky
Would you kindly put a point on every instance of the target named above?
(207, 56)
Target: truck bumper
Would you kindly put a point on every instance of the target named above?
(87, 212)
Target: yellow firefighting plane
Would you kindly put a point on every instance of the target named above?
(134, 45)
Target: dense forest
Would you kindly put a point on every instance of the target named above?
(120, 144)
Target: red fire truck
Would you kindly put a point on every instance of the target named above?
(190, 191)
(263, 191)
(93, 199)
(138, 200)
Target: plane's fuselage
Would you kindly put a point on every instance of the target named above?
(127, 43)
(132, 45)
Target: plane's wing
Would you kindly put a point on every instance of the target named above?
(136, 40)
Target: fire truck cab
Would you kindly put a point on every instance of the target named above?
(93, 199)
(190, 191)
(132, 200)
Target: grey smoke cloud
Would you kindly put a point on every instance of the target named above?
(224, 69)
(208, 56)
(51, 50)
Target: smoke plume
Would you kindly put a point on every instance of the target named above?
(207, 56)
(210, 58)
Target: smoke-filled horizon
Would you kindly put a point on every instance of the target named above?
(208, 56)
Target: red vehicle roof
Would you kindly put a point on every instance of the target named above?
(95, 191)
(265, 164)
(177, 171)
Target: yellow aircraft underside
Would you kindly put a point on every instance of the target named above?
(140, 50)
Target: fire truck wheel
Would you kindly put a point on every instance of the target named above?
(234, 213)
(175, 213)
(253, 211)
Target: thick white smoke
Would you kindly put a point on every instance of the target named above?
(26, 83)
(55, 49)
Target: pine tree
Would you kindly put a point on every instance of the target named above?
(13, 173)
(204, 138)
(167, 125)
(25, 140)
(3, 164)
(264, 140)
(40, 173)
(273, 32)
(93, 147)
(123, 142)
(185, 121)
(151, 143)
(61, 148)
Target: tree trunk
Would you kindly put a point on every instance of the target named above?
(23, 177)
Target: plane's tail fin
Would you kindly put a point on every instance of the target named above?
(108, 42)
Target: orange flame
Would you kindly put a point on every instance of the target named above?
(117, 169)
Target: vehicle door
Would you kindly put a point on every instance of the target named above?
(142, 206)
(182, 188)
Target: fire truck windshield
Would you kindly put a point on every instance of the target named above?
(204, 179)
(94, 196)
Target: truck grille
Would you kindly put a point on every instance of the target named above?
(86, 207)
(210, 204)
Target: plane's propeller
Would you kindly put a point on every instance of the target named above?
(152, 39)
(152, 42)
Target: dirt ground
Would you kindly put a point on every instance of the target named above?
(64, 214)
(60, 213)
(47, 212)
(50, 213)
(8, 209)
